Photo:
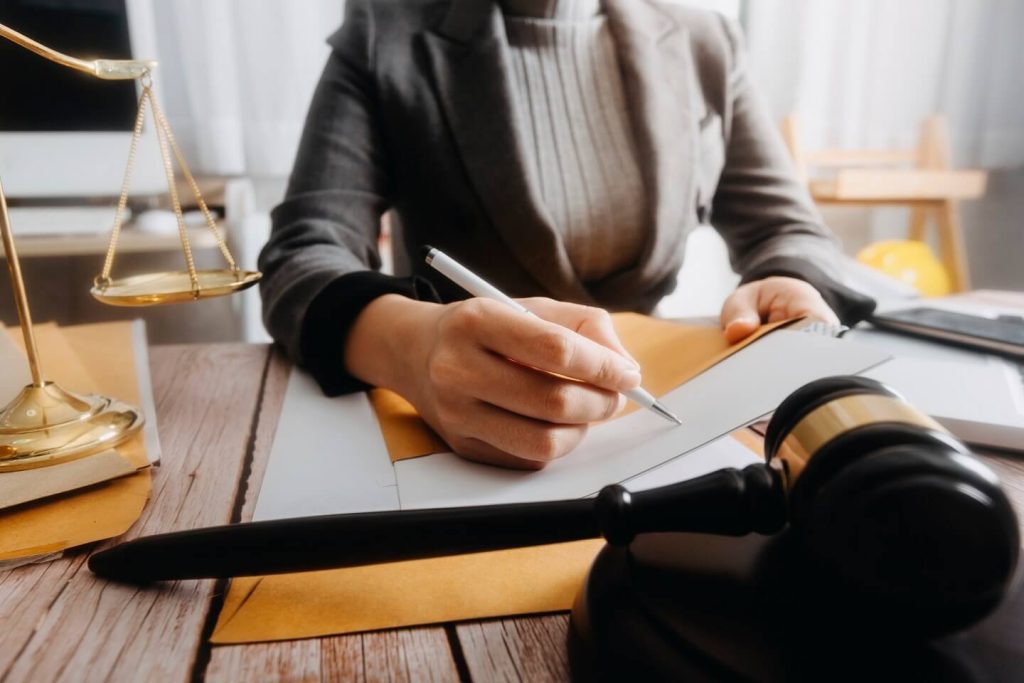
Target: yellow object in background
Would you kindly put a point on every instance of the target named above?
(908, 261)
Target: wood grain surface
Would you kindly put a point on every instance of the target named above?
(407, 655)
(59, 623)
(518, 649)
(421, 654)
(217, 409)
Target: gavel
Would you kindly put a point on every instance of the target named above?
(886, 503)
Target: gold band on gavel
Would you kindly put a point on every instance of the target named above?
(842, 415)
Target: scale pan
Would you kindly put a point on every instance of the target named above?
(155, 289)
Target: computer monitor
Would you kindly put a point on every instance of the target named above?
(64, 134)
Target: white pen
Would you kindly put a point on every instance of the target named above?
(477, 286)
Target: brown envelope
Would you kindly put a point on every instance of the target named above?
(405, 434)
(95, 513)
(501, 583)
(494, 584)
(669, 353)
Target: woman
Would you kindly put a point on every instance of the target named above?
(563, 149)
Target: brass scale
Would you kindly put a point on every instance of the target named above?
(47, 424)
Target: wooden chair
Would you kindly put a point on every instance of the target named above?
(921, 179)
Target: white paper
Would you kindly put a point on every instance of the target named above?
(150, 433)
(976, 396)
(980, 403)
(906, 346)
(14, 372)
(15, 375)
(735, 392)
(719, 454)
(328, 457)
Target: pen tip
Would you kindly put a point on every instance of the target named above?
(665, 413)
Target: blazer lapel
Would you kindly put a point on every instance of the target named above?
(469, 61)
(657, 72)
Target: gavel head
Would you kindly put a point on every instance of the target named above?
(890, 508)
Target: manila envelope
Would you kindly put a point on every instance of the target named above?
(98, 512)
(669, 354)
(492, 584)
(25, 486)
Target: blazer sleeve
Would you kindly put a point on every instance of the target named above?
(762, 211)
(321, 261)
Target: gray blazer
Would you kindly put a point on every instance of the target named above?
(413, 113)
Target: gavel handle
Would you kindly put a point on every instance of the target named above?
(729, 501)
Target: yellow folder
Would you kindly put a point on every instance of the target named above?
(98, 512)
(668, 352)
(492, 584)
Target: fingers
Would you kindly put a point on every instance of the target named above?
(480, 451)
(791, 298)
(589, 321)
(544, 345)
(771, 300)
(526, 391)
(498, 437)
(740, 314)
(517, 390)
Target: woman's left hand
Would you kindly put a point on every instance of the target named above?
(770, 300)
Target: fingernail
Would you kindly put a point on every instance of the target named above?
(745, 320)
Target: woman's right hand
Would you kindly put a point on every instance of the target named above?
(499, 386)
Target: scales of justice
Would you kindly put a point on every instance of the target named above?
(47, 424)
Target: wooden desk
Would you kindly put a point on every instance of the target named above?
(217, 408)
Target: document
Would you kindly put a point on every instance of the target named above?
(329, 455)
(737, 391)
(86, 359)
(443, 589)
(976, 396)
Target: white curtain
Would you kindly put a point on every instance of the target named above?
(864, 73)
(237, 77)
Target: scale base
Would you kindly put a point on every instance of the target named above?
(695, 607)
(46, 425)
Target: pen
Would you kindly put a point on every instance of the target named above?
(477, 286)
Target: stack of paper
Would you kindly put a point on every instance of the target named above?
(332, 456)
(976, 396)
(46, 510)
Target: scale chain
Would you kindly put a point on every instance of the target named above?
(167, 145)
(122, 202)
(210, 222)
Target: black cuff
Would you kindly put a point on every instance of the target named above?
(849, 305)
(331, 314)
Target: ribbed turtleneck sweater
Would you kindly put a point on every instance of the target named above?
(580, 150)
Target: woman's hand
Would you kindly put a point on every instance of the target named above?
(770, 300)
(494, 382)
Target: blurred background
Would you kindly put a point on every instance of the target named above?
(905, 118)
